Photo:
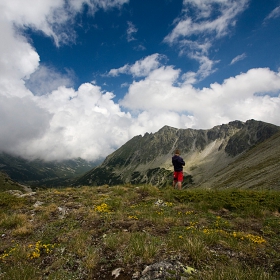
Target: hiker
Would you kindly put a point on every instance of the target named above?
(178, 164)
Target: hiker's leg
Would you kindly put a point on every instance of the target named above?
(175, 179)
(179, 185)
(180, 180)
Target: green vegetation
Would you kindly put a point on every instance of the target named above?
(7, 184)
(41, 173)
(85, 233)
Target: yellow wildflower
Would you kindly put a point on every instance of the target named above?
(133, 217)
(102, 208)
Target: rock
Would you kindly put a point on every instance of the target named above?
(28, 194)
(165, 270)
(15, 192)
(62, 212)
(116, 272)
(19, 193)
(38, 203)
(136, 275)
(160, 202)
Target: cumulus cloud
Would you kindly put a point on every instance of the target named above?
(194, 35)
(85, 123)
(238, 58)
(52, 17)
(56, 121)
(46, 16)
(18, 59)
(46, 79)
(41, 116)
(243, 97)
(21, 121)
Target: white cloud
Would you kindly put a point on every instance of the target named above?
(17, 59)
(139, 48)
(85, 123)
(211, 19)
(95, 5)
(238, 58)
(21, 121)
(209, 106)
(130, 31)
(273, 14)
(140, 68)
(122, 70)
(59, 122)
(46, 16)
(63, 123)
(153, 120)
(46, 79)
(205, 66)
(52, 17)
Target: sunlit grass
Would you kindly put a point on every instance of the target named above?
(220, 233)
(236, 271)
(141, 247)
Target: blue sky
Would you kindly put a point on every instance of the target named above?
(112, 38)
(79, 78)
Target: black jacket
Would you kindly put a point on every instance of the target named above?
(178, 163)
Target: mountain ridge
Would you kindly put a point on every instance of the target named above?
(147, 158)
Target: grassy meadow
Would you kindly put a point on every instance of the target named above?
(87, 232)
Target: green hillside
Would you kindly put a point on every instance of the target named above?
(7, 184)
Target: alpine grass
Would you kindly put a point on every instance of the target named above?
(87, 232)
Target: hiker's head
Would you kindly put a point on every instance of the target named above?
(177, 152)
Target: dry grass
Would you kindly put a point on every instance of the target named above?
(85, 233)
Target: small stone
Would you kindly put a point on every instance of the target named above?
(38, 203)
(63, 211)
(136, 275)
(116, 272)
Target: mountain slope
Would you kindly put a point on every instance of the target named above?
(257, 168)
(38, 172)
(7, 184)
(147, 159)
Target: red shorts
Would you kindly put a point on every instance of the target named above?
(178, 176)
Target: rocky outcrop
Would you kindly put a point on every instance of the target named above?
(252, 133)
(147, 159)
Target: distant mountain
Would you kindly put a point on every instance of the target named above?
(41, 173)
(147, 159)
